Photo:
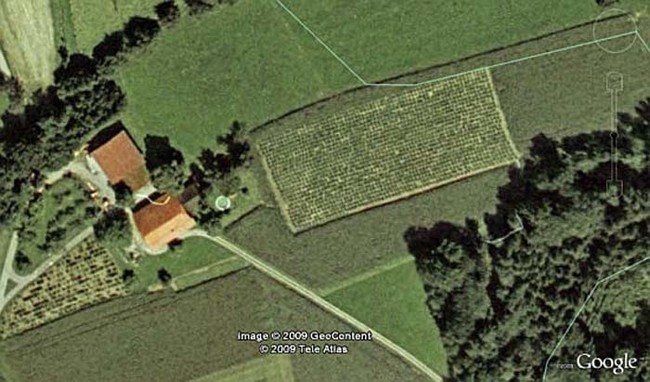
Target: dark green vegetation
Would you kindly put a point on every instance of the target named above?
(43, 136)
(182, 336)
(393, 303)
(50, 219)
(501, 308)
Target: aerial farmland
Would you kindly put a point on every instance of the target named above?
(235, 190)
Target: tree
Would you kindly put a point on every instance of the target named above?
(167, 12)
(198, 6)
(113, 228)
(159, 152)
(21, 261)
(139, 31)
(128, 275)
(164, 276)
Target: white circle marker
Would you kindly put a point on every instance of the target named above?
(222, 203)
(609, 13)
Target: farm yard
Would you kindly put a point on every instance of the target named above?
(387, 149)
(27, 41)
(85, 276)
(187, 335)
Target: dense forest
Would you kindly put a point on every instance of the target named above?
(502, 305)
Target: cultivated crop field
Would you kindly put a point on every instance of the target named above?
(387, 149)
(85, 276)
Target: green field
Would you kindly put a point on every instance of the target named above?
(236, 62)
(209, 272)
(183, 336)
(92, 19)
(383, 38)
(395, 146)
(194, 253)
(566, 93)
(393, 303)
(241, 62)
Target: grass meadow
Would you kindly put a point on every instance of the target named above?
(394, 303)
(92, 19)
(414, 34)
(243, 62)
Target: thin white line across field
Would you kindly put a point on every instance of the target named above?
(487, 67)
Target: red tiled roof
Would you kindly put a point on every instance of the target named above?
(162, 221)
(121, 161)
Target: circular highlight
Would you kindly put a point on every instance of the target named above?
(601, 39)
(222, 203)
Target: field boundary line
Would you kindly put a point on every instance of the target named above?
(502, 115)
(363, 276)
(582, 307)
(412, 84)
(643, 41)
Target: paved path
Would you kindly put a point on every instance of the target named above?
(79, 167)
(316, 299)
(22, 281)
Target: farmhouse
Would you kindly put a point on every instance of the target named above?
(162, 220)
(114, 153)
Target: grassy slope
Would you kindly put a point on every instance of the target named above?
(93, 19)
(181, 336)
(194, 253)
(393, 303)
(238, 62)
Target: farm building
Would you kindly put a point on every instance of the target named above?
(114, 152)
(162, 220)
